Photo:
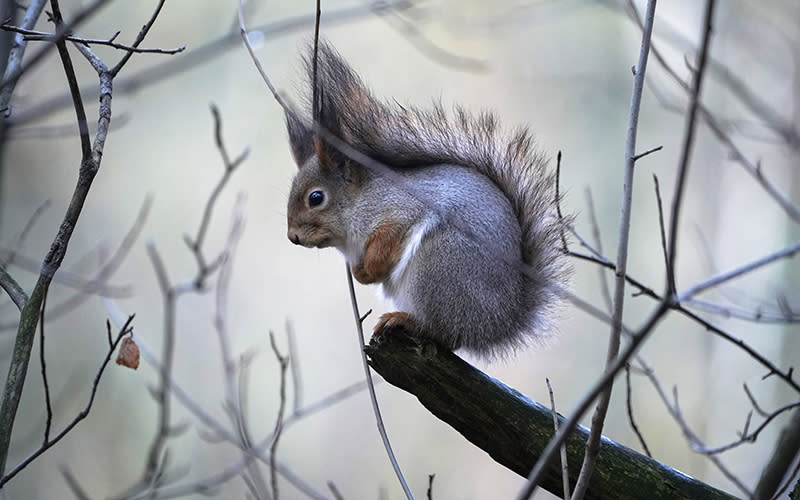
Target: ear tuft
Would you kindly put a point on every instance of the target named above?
(301, 139)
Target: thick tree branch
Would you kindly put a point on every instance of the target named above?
(515, 430)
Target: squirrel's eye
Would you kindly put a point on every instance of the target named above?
(315, 198)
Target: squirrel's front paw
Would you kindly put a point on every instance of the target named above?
(395, 320)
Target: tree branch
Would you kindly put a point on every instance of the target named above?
(515, 430)
(593, 443)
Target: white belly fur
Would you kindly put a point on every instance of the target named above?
(394, 289)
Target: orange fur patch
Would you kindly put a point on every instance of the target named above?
(384, 248)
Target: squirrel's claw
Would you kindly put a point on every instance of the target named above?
(397, 319)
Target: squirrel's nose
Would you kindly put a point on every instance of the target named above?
(294, 238)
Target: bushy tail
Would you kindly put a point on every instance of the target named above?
(402, 137)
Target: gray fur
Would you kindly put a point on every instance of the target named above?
(488, 271)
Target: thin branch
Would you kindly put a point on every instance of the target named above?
(168, 296)
(208, 53)
(90, 164)
(294, 366)
(15, 55)
(15, 292)
(433, 51)
(598, 241)
(124, 330)
(786, 376)
(11, 77)
(9, 259)
(739, 271)
(41, 36)
(139, 39)
(72, 482)
(736, 154)
(689, 134)
(283, 361)
(196, 244)
(648, 152)
(564, 465)
(209, 421)
(757, 315)
(368, 374)
(669, 271)
(43, 364)
(97, 284)
(593, 443)
(588, 398)
(746, 437)
(691, 437)
(243, 33)
(558, 202)
(629, 406)
(72, 80)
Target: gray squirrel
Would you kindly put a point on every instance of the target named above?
(455, 220)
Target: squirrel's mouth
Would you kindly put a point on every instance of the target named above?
(323, 243)
(309, 240)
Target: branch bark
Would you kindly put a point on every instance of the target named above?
(513, 429)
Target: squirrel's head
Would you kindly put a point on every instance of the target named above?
(322, 191)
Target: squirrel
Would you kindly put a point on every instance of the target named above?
(453, 219)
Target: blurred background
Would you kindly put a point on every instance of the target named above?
(562, 68)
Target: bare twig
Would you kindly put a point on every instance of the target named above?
(670, 273)
(139, 39)
(41, 36)
(90, 164)
(736, 154)
(97, 284)
(746, 435)
(433, 51)
(11, 77)
(691, 437)
(207, 53)
(371, 387)
(43, 364)
(739, 271)
(756, 315)
(258, 451)
(15, 292)
(168, 296)
(558, 202)
(641, 155)
(14, 64)
(73, 483)
(124, 330)
(629, 406)
(429, 493)
(196, 244)
(593, 442)
(9, 259)
(243, 33)
(564, 465)
(283, 361)
(294, 366)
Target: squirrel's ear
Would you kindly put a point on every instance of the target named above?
(301, 139)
